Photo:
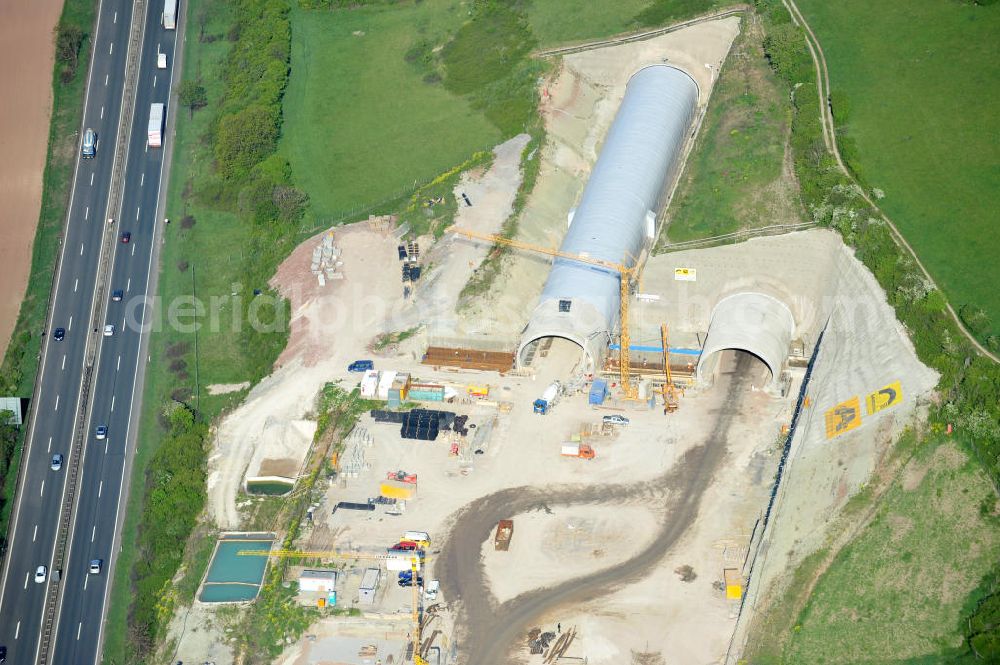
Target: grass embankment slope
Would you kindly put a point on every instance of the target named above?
(899, 592)
(215, 245)
(920, 582)
(735, 177)
(20, 362)
(915, 87)
(361, 123)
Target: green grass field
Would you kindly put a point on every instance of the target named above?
(915, 88)
(360, 123)
(560, 21)
(898, 592)
(734, 178)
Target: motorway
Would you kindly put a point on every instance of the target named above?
(117, 371)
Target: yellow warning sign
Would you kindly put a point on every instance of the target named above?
(843, 418)
(686, 274)
(883, 398)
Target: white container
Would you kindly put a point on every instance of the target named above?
(385, 382)
(369, 383)
(417, 536)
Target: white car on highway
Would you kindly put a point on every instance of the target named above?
(109, 330)
(40, 574)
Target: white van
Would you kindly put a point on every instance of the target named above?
(88, 150)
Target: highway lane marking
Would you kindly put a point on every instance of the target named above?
(64, 362)
(128, 284)
(112, 49)
(119, 364)
(86, 578)
(147, 146)
(26, 580)
(106, 76)
(76, 283)
(112, 402)
(86, 212)
(31, 430)
(100, 488)
(17, 630)
(34, 534)
(42, 492)
(91, 179)
(142, 178)
(57, 403)
(102, 113)
(93, 533)
(137, 213)
(154, 80)
(81, 249)
(79, 627)
(70, 326)
(115, 19)
(133, 250)
(49, 450)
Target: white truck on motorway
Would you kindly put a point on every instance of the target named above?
(154, 136)
(170, 14)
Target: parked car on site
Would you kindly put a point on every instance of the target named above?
(616, 419)
(361, 366)
(40, 574)
(406, 546)
(59, 334)
(57, 461)
(101, 432)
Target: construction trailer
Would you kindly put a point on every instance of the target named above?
(369, 586)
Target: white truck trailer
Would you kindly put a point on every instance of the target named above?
(154, 135)
(170, 14)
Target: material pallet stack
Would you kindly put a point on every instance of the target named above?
(326, 263)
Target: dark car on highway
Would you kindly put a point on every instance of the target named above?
(117, 295)
(59, 334)
(126, 237)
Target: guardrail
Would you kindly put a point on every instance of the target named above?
(115, 196)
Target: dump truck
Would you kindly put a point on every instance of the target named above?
(505, 531)
(543, 404)
(581, 450)
(154, 136)
(170, 14)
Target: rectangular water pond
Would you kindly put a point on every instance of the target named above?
(233, 578)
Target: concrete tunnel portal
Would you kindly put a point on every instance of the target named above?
(749, 322)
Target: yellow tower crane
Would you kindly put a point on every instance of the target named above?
(415, 561)
(626, 275)
(670, 397)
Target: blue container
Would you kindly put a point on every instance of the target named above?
(598, 391)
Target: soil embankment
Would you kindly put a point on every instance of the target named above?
(26, 56)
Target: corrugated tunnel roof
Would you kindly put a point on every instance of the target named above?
(616, 215)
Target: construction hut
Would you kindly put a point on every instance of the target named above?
(323, 581)
(369, 586)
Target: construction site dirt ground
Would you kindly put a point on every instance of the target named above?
(596, 542)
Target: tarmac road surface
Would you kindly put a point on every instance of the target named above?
(118, 370)
(491, 634)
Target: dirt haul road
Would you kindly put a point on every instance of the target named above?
(491, 634)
